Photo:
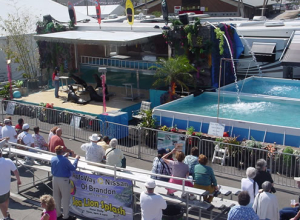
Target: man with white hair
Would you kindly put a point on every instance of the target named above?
(94, 152)
(25, 138)
(113, 155)
(9, 131)
(151, 204)
(291, 212)
(249, 185)
(266, 204)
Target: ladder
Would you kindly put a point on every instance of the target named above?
(220, 155)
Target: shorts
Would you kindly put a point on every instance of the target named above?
(4, 197)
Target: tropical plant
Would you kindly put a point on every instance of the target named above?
(19, 83)
(190, 130)
(20, 46)
(287, 159)
(148, 121)
(254, 144)
(174, 72)
(4, 92)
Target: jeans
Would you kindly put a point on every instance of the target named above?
(56, 86)
(288, 213)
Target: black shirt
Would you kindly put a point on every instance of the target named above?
(261, 177)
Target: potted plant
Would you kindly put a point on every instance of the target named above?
(23, 90)
(147, 126)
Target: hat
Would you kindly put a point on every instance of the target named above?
(94, 137)
(297, 179)
(59, 148)
(25, 126)
(161, 151)
(6, 120)
(150, 184)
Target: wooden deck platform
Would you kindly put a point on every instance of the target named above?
(115, 103)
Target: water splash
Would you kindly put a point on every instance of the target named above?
(251, 52)
(232, 60)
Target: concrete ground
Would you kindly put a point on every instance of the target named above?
(26, 205)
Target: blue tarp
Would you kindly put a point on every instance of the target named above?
(227, 75)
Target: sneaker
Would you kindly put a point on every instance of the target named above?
(183, 195)
(192, 197)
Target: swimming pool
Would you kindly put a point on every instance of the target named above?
(261, 117)
(267, 86)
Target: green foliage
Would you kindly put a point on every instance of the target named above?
(20, 46)
(174, 70)
(220, 37)
(176, 22)
(156, 13)
(190, 130)
(254, 144)
(164, 128)
(148, 121)
(287, 159)
(5, 91)
(19, 83)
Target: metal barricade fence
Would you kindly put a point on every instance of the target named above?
(140, 142)
(282, 166)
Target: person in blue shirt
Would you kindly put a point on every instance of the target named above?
(61, 169)
(242, 211)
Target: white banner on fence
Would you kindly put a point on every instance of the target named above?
(77, 121)
(216, 129)
(10, 108)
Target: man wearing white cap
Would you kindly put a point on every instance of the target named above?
(26, 139)
(9, 131)
(94, 152)
(290, 212)
(151, 204)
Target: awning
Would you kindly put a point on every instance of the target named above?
(291, 57)
(263, 48)
(118, 38)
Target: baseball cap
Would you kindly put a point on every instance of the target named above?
(150, 184)
(25, 126)
(161, 151)
(7, 120)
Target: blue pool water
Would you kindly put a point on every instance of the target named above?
(268, 86)
(259, 110)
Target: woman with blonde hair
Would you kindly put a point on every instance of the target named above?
(49, 213)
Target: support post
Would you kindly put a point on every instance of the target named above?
(139, 142)
(76, 56)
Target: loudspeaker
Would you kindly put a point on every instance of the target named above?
(47, 19)
(184, 18)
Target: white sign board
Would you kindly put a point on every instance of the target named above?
(10, 108)
(202, 9)
(177, 9)
(216, 129)
(77, 121)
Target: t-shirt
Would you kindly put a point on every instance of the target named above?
(5, 172)
(94, 152)
(27, 138)
(247, 185)
(152, 206)
(50, 136)
(114, 157)
(179, 169)
(54, 142)
(239, 212)
(52, 214)
(9, 131)
(191, 161)
(104, 145)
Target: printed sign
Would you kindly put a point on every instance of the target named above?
(77, 121)
(177, 9)
(216, 129)
(10, 108)
(169, 141)
(101, 197)
(202, 9)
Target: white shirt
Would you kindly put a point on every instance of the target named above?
(9, 131)
(94, 152)
(114, 157)
(5, 172)
(152, 206)
(50, 136)
(247, 185)
(27, 138)
(266, 206)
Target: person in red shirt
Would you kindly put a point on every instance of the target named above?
(19, 126)
(57, 140)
